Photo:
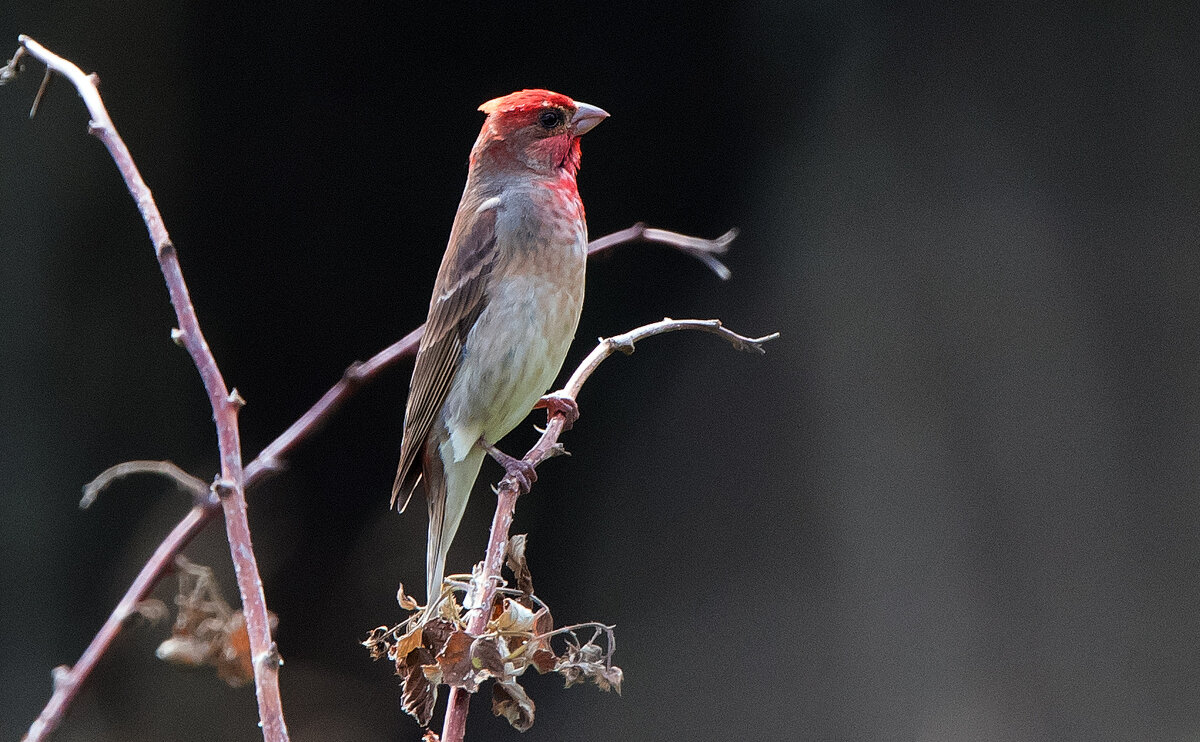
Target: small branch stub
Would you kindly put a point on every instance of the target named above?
(235, 399)
(223, 488)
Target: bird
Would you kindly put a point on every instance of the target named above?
(505, 306)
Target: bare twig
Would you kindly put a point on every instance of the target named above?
(202, 494)
(13, 67)
(69, 680)
(706, 251)
(225, 405)
(486, 579)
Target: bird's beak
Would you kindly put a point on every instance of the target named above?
(586, 117)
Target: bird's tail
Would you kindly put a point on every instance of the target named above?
(448, 487)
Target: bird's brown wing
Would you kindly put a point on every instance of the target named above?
(459, 295)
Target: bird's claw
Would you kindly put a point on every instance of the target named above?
(519, 470)
(559, 403)
(523, 473)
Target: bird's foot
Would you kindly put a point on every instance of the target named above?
(522, 472)
(559, 403)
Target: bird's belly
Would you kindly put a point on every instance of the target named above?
(511, 357)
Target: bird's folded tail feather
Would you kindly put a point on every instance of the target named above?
(434, 479)
(405, 486)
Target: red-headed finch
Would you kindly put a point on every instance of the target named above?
(504, 309)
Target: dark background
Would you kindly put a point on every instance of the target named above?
(957, 500)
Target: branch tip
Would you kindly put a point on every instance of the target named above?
(701, 249)
(12, 69)
(37, 99)
(183, 480)
(721, 244)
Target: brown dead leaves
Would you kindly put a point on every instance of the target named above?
(433, 648)
(207, 631)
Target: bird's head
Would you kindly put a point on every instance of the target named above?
(534, 129)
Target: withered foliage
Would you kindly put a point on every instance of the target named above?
(432, 647)
(207, 630)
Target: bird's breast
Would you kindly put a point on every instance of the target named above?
(517, 346)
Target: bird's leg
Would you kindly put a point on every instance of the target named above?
(558, 402)
(519, 469)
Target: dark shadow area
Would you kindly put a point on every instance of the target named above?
(957, 500)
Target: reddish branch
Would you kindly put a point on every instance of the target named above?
(233, 481)
(225, 405)
(486, 580)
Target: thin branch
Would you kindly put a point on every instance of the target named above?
(68, 680)
(225, 405)
(486, 580)
(202, 494)
(706, 251)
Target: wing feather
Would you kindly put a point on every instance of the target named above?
(459, 296)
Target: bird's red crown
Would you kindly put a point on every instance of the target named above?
(526, 100)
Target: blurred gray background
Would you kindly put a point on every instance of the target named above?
(957, 501)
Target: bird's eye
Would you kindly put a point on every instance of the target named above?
(550, 118)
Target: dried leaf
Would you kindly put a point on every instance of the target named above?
(430, 736)
(512, 702)
(514, 558)
(486, 657)
(542, 657)
(418, 695)
(407, 602)
(454, 661)
(433, 648)
(466, 662)
(207, 631)
(449, 608)
(610, 679)
(512, 618)
(152, 610)
(436, 633)
(377, 643)
(589, 662)
(543, 622)
(407, 643)
(234, 662)
(183, 651)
